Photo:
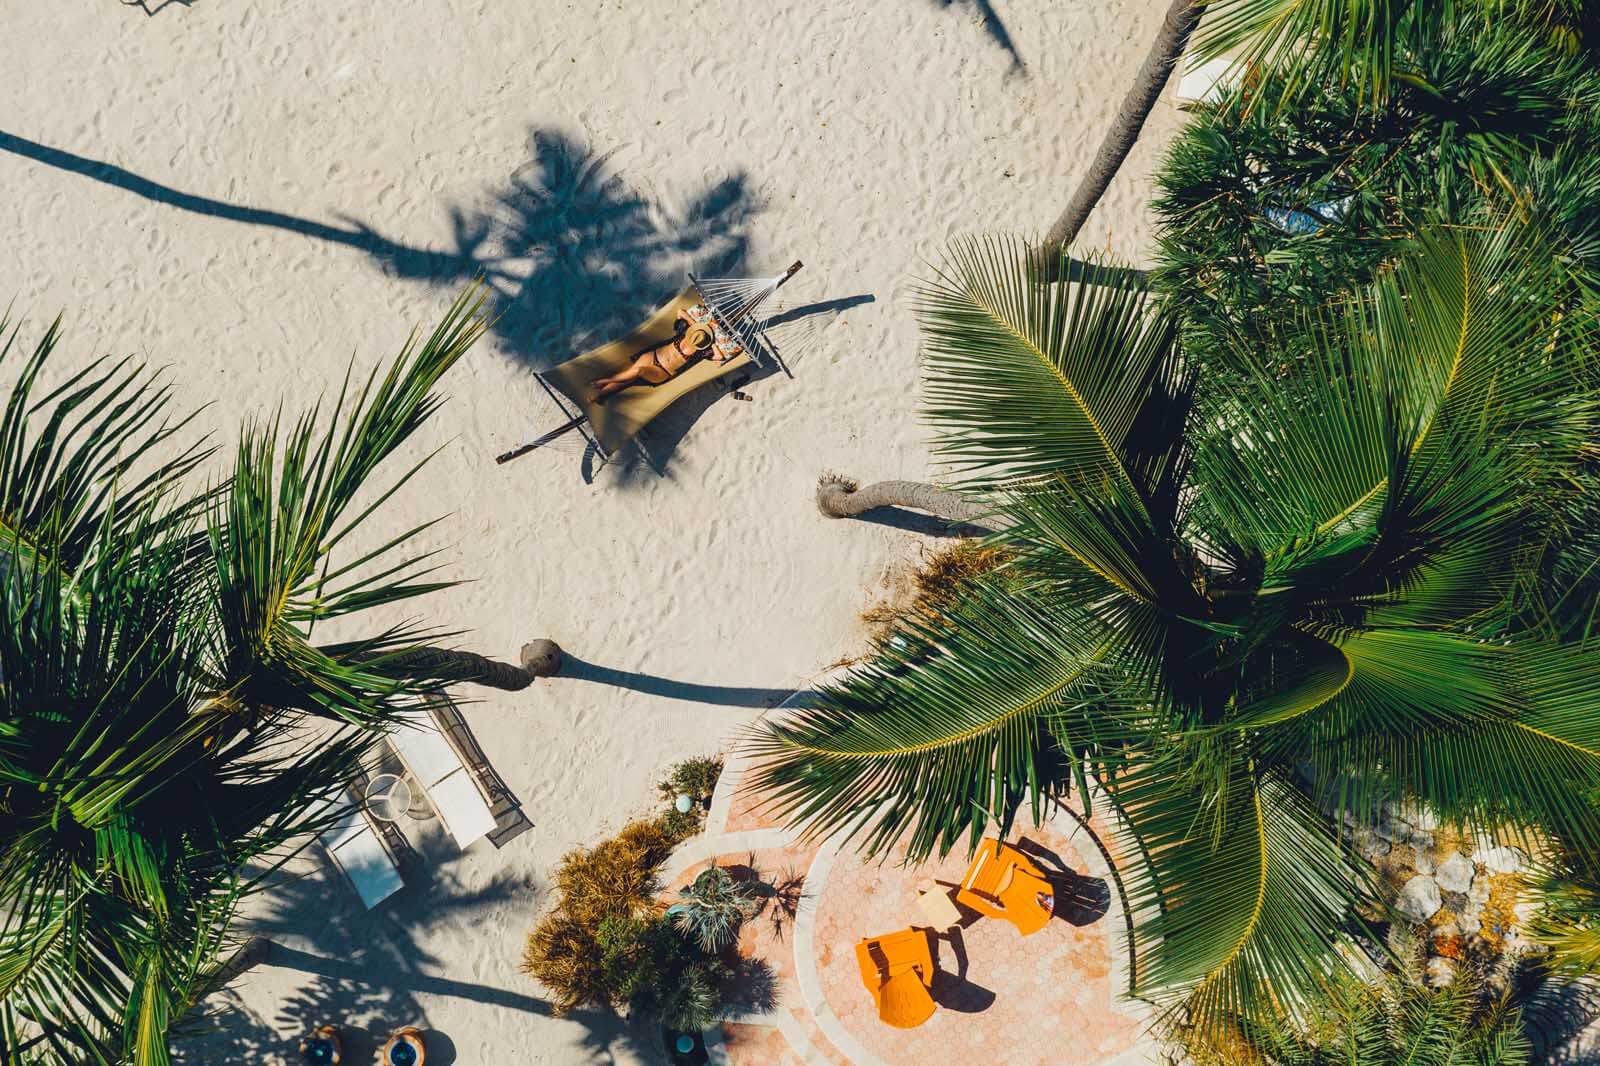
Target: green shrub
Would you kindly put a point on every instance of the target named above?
(695, 778)
(712, 909)
(648, 966)
(604, 940)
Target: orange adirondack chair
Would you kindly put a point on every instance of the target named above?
(897, 969)
(1003, 883)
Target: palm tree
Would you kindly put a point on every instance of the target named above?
(1373, 44)
(1395, 1020)
(1237, 612)
(171, 723)
(840, 497)
(1165, 51)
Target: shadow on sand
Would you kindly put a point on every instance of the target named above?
(573, 253)
(364, 971)
(717, 695)
(993, 27)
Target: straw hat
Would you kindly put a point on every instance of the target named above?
(699, 338)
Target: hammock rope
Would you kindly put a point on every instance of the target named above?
(735, 303)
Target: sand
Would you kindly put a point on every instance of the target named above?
(254, 193)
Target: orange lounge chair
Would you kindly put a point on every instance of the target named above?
(1003, 883)
(897, 969)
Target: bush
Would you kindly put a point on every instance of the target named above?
(712, 909)
(600, 940)
(648, 966)
(695, 778)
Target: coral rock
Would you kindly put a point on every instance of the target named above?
(1455, 874)
(1419, 899)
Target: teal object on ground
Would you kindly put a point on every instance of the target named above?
(684, 1043)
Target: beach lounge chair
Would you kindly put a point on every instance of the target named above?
(897, 969)
(357, 849)
(612, 424)
(436, 767)
(1003, 883)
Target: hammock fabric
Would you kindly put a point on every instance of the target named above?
(733, 303)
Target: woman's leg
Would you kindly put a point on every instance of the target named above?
(615, 383)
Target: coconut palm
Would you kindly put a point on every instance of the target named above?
(1371, 43)
(1236, 612)
(1165, 51)
(173, 717)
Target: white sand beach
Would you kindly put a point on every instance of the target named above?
(251, 193)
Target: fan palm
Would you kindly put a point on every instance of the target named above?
(170, 726)
(1238, 612)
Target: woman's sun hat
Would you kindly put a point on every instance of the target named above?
(699, 338)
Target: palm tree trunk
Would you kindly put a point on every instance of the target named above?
(540, 658)
(839, 497)
(251, 953)
(1165, 50)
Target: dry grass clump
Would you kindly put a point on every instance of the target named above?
(612, 882)
(937, 584)
(614, 879)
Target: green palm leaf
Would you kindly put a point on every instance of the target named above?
(1027, 380)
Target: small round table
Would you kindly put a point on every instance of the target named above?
(388, 797)
(404, 1048)
(321, 1047)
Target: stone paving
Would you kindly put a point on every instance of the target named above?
(1055, 997)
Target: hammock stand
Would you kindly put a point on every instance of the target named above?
(733, 304)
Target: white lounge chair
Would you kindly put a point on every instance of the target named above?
(358, 850)
(447, 781)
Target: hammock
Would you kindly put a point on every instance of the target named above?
(735, 305)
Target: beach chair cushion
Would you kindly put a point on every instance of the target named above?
(624, 414)
(462, 808)
(358, 850)
(427, 754)
(438, 768)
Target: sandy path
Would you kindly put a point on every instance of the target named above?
(253, 192)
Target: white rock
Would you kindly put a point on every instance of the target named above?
(1501, 860)
(1421, 840)
(1419, 898)
(1422, 863)
(1468, 922)
(1441, 971)
(1524, 911)
(1420, 817)
(1455, 874)
(1479, 892)
(1372, 846)
(1392, 831)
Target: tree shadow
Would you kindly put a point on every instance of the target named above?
(144, 5)
(995, 28)
(719, 695)
(573, 253)
(926, 525)
(362, 970)
(1559, 1018)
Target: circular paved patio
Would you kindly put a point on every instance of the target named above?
(1047, 998)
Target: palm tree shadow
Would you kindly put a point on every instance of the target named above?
(574, 254)
(363, 970)
(995, 28)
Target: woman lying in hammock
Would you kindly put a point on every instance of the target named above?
(696, 339)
